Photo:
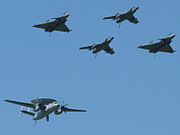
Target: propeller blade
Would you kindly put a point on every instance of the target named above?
(20, 115)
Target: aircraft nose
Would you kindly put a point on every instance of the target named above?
(173, 36)
(67, 15)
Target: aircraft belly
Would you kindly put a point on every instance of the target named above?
(45, 113)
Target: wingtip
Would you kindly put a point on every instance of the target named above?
(7, 100)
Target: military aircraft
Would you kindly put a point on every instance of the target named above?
(57, 25)
(102, 46)
(44, 107)
(162, 46)
(125, 16)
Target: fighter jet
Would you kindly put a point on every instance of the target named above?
(125, 16)
(102, 46)
(44, 107)
(162, 46)
(57, 25)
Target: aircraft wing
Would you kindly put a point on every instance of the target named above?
(73, 110)
(21, 103)
(109, 17)
(166, 48)
(153, 46)
(132, 19)
(62, 27)
(109, 50)
(47, 25)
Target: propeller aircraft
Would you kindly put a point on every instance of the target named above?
(44, 107)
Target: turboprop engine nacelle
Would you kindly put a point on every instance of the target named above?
(58, 111)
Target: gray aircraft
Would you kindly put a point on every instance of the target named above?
(162, 46)
(125, 16)
(102, 46)
(57, 25)
(44, 107)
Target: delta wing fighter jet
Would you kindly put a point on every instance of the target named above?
(162, 46)
(57, 25)
(125, 16)
(44, 107)
(102, 46)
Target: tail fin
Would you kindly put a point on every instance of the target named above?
(27, 112)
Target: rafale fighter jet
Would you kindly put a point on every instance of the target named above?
(162, 46)
(44, 107)
(102, 46)
(57, 25)
(125, 16)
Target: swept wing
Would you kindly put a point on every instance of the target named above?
(109, 50)
(62, 27)
(110, 17)
(86, 47)
(132, 19)
(166, 48)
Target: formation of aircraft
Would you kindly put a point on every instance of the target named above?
(95, 48)
(129, 15)
(162, 46)
(43, 108)
(57, 25)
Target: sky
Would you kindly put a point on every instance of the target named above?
(128, 93)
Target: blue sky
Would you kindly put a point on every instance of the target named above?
(130, 92)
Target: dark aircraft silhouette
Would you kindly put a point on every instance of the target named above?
(57, 25)
(162, 46)
(102, 46)
(125, 16)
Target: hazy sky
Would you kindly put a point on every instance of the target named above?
(128, 93)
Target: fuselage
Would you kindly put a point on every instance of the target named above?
(57, 22)
(49, 109)
(103, 45)
(122, 17)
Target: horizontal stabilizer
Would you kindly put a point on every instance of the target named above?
(29, 113)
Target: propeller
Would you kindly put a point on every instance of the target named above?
(20, 115)
(63, 106)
